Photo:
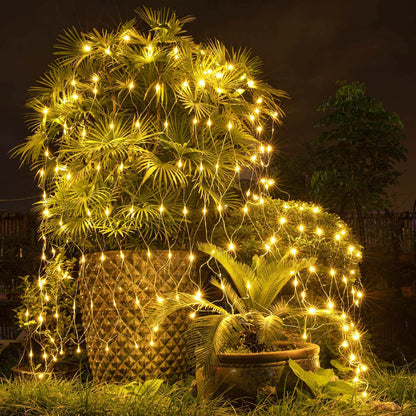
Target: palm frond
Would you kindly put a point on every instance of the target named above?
(268, 328)
(231, 296)
(210, 334)
(240, 273)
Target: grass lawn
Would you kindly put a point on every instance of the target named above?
(390, 391)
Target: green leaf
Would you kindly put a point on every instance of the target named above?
(340, 367)
(315, 381)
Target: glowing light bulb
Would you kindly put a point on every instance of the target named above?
(332, 272)
(201, 83)
(102, 258)
(312, 311)
(126, 38)
(87, 48)
(192, 315)
(301, 228)
(231, 246)
(185, 84)
(157, 87)
(282, 220)
(319, 231)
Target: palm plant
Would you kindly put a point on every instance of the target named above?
(251, 312)
(135, 133)
(138, 138)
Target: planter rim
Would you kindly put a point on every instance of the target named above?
(303, 350)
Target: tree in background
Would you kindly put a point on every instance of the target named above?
(358, 149)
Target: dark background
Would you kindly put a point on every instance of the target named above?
(306, 46)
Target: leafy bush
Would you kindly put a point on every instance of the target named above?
(282, 225)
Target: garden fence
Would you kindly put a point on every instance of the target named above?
(392, 232)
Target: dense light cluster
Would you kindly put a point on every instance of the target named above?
(140, 140)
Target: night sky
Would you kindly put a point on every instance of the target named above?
(305, 45)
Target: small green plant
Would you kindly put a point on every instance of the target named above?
(325, 383)
(251, 313)
(47, 311)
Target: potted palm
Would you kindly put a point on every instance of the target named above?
(138, 140)
(243, 341)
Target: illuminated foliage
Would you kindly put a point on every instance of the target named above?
(134, 133)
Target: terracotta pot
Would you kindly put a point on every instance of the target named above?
(114, 295)
(241, 375)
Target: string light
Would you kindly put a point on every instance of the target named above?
(257, 106)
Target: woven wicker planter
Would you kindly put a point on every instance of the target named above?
(114, 294)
